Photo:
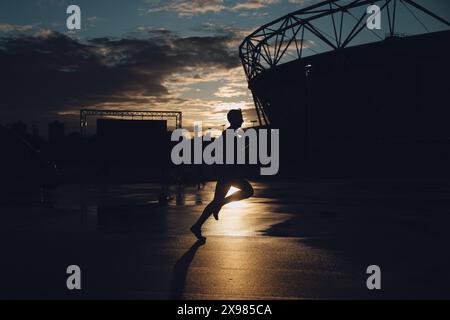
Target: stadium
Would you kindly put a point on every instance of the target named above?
(353, 101)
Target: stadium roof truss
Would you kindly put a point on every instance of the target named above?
(286, 39)
(129, 114)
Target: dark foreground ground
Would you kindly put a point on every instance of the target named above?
(310, 239)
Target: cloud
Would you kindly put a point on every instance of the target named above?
(304, 2)
(253, 4)
(230, 92)
(49, 73)
(193, 7)
(15, 27)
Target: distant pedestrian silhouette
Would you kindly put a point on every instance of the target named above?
(230, 175)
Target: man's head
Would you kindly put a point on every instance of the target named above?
(235, 118)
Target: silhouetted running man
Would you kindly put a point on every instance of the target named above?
(229, 176)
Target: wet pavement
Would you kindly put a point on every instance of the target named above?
(311, 239)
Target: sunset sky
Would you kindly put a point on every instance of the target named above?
(134, 54)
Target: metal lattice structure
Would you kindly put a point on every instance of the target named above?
(142, 115)
(285, 39)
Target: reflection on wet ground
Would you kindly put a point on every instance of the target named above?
(308, 239)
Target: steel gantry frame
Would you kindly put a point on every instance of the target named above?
(150, 115)
(266, 47)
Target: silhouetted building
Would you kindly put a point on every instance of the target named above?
(20, 128)
(370, 108)
(344, 103)
(35, 132)
(56, 132)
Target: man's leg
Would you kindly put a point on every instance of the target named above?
(221, 191)
(245, 191)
